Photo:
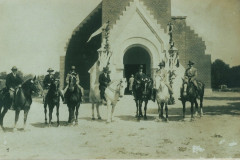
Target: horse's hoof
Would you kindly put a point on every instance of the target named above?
(93, 118)
(145, 117)
(76, 124)
(99, 118)
(136, 116)
(14, 129)
(108, 121)
(167, 120)
(184, 119)
(192, 119)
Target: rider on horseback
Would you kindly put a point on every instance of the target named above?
(104, 80)
(190, 76)
(72, 73)
(163, 73)
(48, 79)
(13, 82)
(138, 78)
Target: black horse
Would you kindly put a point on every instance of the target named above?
(22, 101)
(73, 96)
(52, 100)
(191, 93)
(142, 93)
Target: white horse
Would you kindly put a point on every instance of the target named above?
(112, 93)
(162, 97)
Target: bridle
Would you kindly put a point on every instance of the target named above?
(118, 85)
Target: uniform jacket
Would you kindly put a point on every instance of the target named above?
(13, 81)
(73, 74)
(138, 76)
(191, 73)
(47, 81)
(163, 73)
(104, 80)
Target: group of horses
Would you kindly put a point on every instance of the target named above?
(142, 93)
(148, 89)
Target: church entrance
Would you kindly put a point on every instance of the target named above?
(133, 58)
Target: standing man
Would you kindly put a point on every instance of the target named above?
(131, 80)
(104, 80)
(48, 79)
(13, 82)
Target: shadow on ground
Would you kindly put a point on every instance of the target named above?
(54, 124)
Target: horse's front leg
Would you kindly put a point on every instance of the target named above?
(166, 110)
(184, 109)
(45, 111)
(25, 117)
(16, 119)
(140, 108)
(76, 114)
(98, 113)
(5, 109)
(145, 109)
(57, 114)
(136, 101)
(93, 117)
(201, 105)
(112, 113)
(50, 115)
(196, 107)
(192, 109)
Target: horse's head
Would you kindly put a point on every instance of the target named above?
(55, 86)
(72, 82)
(146, 84)
(32, 85)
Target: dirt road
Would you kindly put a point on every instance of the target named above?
(217, 134)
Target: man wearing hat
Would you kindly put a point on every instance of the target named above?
(190, 75)
(72, 73)
(163, 73)
(138, 78)
(13, 82)
(104, 80)
(48, 79)
(131, 80)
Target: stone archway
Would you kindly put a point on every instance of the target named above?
(133, 58)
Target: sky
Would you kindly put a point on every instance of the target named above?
(33, 34)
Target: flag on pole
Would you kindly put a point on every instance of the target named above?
(97, 32)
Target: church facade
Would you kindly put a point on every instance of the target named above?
(138, 36)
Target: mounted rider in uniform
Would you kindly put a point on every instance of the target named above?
(104, 80)
(13, 82)
(48, 79)
(163, 74)
(138, 78)
(72, 73)
(190, 76)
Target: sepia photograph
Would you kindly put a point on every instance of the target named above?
(119, 79)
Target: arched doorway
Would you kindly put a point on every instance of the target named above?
(133, 58)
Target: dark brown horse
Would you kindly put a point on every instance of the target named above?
(23, 101)
(73, 97)
(52, 100)
(191, 93)
(142, 93)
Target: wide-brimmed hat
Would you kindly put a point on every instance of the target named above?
(162, 64)
(190, 63)
(73, 68)
(14, 68)
(50, 70)
(106, 70)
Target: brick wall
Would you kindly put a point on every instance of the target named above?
(192, 47)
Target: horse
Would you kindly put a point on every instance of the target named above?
(52, 100)
(191, 93)
(22, 101)
(112, 93)
(142, 93)
(162, 97)
(73, 96)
